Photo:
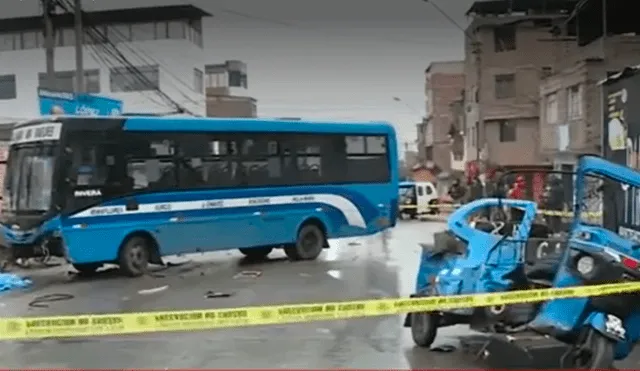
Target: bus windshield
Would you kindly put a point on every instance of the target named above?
(29, 180)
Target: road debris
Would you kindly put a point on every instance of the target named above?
(41, 301)
(247, 274)
(216, 294)
(10, 282)
(153, 291)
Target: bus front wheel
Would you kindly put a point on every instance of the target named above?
(309, 243)
(134, 256)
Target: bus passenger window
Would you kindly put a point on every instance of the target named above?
(429, 190)
(420, 191)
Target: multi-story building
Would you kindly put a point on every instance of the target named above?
(227, 90)
(508, 51)
(444, 82)
(571, 111)
(164, 44)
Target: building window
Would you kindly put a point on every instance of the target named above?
(551, 104)
(428, 153)
(8, 42)
(546, 72)
(119, 33)
(504, 38)
(198, 80)
(177, 30)
(30, 40)
(474, 135)
(574, 102)
(123, 79)
(505, 86)
(217, 80)
(507, 131)
(66, 81)
(143, 31)
(237, 79)
(8, 87)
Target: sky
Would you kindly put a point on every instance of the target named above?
(331, 59)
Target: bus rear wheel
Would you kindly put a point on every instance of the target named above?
(256, 253)
(134, 256)
(308, 245)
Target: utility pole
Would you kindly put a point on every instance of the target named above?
(49, 42)
(477, 50)
(79, 31)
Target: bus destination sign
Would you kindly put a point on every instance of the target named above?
(36, 133)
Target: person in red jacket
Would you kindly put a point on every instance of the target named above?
(517, 192)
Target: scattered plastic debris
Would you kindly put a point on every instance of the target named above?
(444, 348)
(247, 274)
(216, 294)
(10, 282)
(153, 291)
(41, 301)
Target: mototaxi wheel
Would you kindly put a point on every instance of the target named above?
(595, 353)
(424, 328)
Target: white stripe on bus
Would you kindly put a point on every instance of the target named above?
(349, 210)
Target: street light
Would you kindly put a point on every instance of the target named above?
(399, 100)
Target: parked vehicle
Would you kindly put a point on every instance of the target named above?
(482, 256)
(417, 198)
(129, 190)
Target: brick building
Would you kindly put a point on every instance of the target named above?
(226, 87)
(444, 82)
(571, 113)
(510, 51)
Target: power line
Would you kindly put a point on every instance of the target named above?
(448, 17)
(102, 40)
(152, 60)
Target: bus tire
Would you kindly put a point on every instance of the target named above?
(256, 253)
(134, 256)
(309, 243)
(87, 269)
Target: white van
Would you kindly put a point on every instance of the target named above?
(416, 198)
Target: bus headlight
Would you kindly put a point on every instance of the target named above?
(585, 265)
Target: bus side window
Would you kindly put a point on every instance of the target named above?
(429, 190)
(152, 163)
(420, 191)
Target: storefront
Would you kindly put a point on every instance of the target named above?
(621, 144)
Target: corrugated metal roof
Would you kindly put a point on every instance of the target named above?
(626, 72)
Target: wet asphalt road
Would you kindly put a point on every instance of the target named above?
(357, 268)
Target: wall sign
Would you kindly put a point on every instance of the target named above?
(64, 103)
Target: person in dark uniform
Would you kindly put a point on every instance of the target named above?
(554, 201)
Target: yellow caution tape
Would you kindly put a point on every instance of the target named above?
(83, 325)
(540, 211)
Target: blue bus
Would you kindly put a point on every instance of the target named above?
(129, 190)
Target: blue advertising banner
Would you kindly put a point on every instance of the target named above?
(64, 103)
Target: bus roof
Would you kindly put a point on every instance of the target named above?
(406, 184)
(253, 124)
